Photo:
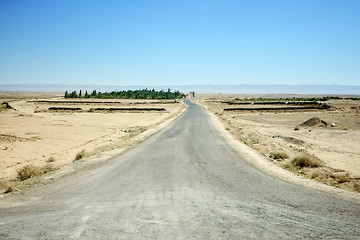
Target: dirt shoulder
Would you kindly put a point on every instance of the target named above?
(273, 139)
(33, 136)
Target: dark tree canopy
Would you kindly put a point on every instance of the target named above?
(129, 94)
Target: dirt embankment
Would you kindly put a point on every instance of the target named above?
(35, 140)
(320, 144)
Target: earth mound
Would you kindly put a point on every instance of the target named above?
(314, 122)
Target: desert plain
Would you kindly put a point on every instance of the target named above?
(42, 132)
(327, 137)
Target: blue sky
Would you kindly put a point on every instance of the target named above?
(180, 42)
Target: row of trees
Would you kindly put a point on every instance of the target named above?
(129, 94)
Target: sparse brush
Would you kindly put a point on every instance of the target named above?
(5, 186)
(317, 174)
(81, 155)
(143, 129)
(340, 178)
(306, 161)
(51, 159)
(47, 168)
(28, 171)
(343, 178)
(278, 155)
(356, 187)
(291, 167)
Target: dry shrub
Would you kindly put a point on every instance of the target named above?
(290, 166)
(28, 171)
(343, 178)
(356, 187)
(47, 168)
(318, 174)
(278, 155)
(81, 155)
(143, 129)
(51, 159)
(306, 161)
(5, 186)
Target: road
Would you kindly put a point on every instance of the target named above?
(184, 182)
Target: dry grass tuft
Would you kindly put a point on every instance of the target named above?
(318, 174)
(51, 159)
(47, 168)
(278, 155)
(343, 178)
(81, 155)
(28, 171)
(306, 161)
(5, 186)
(356, 187)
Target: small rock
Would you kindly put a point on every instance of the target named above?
(333, 125)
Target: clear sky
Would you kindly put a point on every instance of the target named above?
(180, 42)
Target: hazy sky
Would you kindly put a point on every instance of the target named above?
(180, 42)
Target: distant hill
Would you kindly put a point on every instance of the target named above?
(230, 89)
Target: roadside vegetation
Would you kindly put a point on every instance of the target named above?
(129, 94)
(81, 155)
(278, 155)
(29, 171)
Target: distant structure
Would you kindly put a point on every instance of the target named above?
(192, 94)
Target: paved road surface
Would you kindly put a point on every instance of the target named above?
(182, 183)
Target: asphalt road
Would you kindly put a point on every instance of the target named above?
(182, 183)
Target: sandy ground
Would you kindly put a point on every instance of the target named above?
(31, 134)
(274, 132)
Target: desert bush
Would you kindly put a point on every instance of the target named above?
(290, 166)
(317, 174)
(356, 187)
(28, 171)
(47, 168)
(5, 186)
(143, 129)
(306, 161)
(51, 159)
(81, 155)
(278, 155)
(340, 178)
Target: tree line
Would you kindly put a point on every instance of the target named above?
(128, 94)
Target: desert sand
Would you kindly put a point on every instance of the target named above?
(31, 134)
(334, 141)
